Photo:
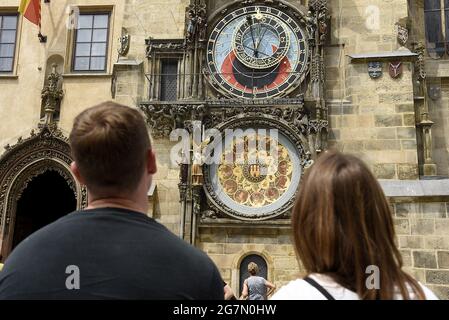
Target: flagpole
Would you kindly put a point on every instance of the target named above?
(31, 10)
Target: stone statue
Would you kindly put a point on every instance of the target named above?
(51, 95)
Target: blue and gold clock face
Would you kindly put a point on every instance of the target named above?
(257, 52)
(257, 174)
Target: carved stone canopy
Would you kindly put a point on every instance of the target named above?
(163, 118)
(46, 148)
(164, 45)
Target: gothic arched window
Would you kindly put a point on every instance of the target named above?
(436, 15)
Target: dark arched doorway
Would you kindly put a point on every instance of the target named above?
(45, 199)
(261, 263)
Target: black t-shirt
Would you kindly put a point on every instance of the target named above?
(117, 253)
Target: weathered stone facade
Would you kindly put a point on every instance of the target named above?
(382, 120)
(422, 231)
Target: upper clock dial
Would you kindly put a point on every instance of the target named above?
(261, 42)
(257, 52)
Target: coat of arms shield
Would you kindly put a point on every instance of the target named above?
(375, 69)
(395, 69)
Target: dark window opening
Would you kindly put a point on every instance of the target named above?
(169, 80)
(47, 198)
(435, 41)
(446, 19)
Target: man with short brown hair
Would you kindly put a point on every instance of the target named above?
(111, 146)
(111, 250)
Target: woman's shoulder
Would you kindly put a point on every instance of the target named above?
(428, 293)
(301, 290)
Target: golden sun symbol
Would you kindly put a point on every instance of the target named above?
(258, 14)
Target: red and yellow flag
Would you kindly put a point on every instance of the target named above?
(31, 9)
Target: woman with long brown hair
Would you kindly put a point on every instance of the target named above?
(344, 236)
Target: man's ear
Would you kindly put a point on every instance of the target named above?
(76, 172)
(151, 162)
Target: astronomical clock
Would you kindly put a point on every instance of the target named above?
(252, 71)
(257, 52)
(255, 183)
(257, 56)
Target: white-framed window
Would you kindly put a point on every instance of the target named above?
(90, 49)
(8, 41)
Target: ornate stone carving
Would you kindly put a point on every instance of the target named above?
(124, 41)
(183, 171)
(402, 33)
(164, 118)
(318, 21)
(247, 2)
(317, 75)
(318, 5)
(318, 129)
(316, 126)
(175, 45)
(196, 197)
(419, 49)
(52, 95)
(196, 18)
(208, 214)
(43, 166)
(44, 149)
(182, 187)
(317, 26)
(425, 123)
